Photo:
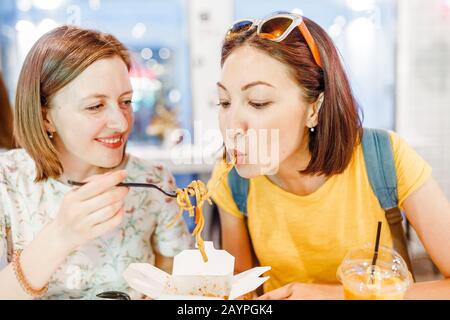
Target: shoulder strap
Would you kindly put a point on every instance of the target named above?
(239, 187)
(380, 167)
(239, 190)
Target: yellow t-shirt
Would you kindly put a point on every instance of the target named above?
(305, 238)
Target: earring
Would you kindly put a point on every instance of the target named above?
(50, 135)
(312, 129)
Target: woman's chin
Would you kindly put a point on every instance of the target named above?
(248, 170)
(112, 159)
(109, 163)
(253, 170)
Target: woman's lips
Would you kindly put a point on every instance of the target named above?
(240, 157)
(112, 142)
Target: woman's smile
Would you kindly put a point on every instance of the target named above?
(113, 142)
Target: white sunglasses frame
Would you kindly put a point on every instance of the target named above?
(297, 21)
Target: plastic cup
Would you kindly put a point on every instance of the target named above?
(388, 280)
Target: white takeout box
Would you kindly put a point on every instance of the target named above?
(194, 279)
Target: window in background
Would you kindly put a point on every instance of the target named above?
(154, 31)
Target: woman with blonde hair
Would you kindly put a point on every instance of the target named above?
(73, 117)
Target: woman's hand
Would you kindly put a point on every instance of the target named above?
(91, 210)
(85, 213)
(248, 296)
(305, 291)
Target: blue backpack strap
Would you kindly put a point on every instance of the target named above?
(239, 190)
(379, 159)
(380, 167)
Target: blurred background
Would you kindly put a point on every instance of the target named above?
(396, 52)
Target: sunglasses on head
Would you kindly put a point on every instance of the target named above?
(276, 28)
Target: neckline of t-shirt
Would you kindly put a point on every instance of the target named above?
(317, 194)
(322, 190)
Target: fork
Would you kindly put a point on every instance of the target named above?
(132, 184)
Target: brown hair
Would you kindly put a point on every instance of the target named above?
(339, 126)
(6, 118)
(56, 59)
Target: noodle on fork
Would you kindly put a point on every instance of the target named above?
(198, 190)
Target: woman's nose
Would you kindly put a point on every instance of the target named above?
(117, 119)
(237, 120)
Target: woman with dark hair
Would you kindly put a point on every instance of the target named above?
(6, 119)
(288, 116)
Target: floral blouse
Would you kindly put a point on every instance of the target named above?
(26, 207)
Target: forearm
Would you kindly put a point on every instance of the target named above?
(39, 261)
(429, 290)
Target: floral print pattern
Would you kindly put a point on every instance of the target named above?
(26, 207)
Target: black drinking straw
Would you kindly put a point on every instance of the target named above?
(375, 253)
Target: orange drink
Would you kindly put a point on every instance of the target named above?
(388, 280)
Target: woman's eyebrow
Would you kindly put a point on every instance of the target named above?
(102, 96)
(94, 95)
(127, 92)
(221, 86)
(248, 86)
(256, 83)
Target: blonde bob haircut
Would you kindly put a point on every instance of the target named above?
(56, 59)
